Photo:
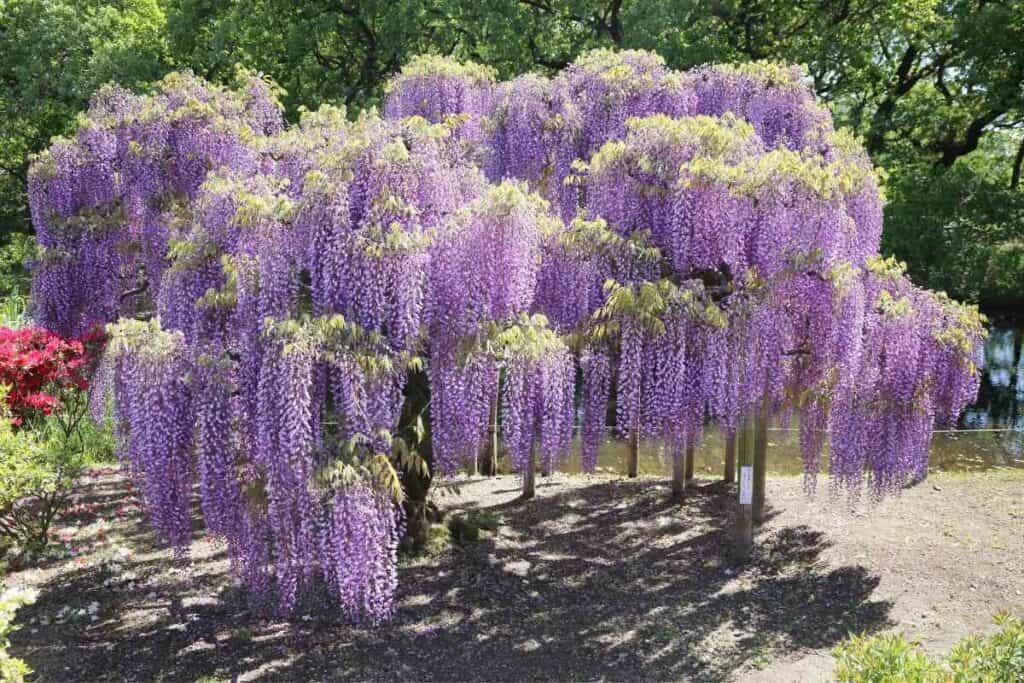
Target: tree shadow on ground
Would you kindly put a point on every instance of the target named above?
(607, 579)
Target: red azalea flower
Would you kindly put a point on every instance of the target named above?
(38, 366)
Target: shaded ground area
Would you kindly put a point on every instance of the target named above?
(597, 578)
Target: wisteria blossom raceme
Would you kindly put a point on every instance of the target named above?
(597, 384)
(367, 213)
(662, 336)
(483, 274)
(608, 88)
(536, 128)
(774, 98)
(442, 90)
(104, 202)
(596, 95)
(357, 550)
(304, 317)
(154, 422)
(920, 353)
(530, 132)
(715, 199)
(537, 396)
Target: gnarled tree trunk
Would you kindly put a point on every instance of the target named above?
(415, 481)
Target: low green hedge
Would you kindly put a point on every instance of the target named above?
(890, 658)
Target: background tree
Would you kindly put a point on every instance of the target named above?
(924, 82)
(934, 87)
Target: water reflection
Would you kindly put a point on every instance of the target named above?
(990, 434)
(1002, 383)
(958, 451)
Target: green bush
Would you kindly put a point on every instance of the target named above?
(12, 669)
(890, 658)
(38, 468)
(14, 277)
(886, 658)
(994, 659)
(36, 476)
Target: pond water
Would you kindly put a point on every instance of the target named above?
(990, 433)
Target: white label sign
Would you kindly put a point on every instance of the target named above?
(746, 485)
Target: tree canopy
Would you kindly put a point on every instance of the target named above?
(933, 87)
(703, 242)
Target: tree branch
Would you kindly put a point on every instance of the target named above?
(141, 289)
(1017, 161)
(953, 149)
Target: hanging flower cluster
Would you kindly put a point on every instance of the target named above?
(271, 286)
(445, 91)
(694, 244)
(483, 278)
(537, 399)
(105, 203)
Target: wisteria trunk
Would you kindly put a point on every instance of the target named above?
(489, 463)
(689, 464)
(729, 476)
(760, 461)
(414, 481)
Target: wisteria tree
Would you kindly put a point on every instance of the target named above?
(312, 322)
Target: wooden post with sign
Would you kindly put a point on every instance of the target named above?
(744, 532)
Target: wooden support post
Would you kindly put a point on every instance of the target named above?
(744, 534)
(729, 476)
(760, 461)
(633, 457)
(678, 474)
(689, 465)
(490, 461)
(530, 473)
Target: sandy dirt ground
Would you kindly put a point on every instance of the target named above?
(598, 578)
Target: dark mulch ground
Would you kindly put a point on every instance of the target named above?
(597, 578)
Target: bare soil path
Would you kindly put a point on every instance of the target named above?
(598, 578)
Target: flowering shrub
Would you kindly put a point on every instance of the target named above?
(42, 369)
(37, 470)
(45, 434)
